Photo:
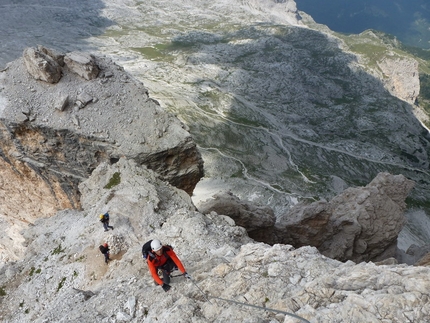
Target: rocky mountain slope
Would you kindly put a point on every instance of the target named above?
(282, 113)
(63, 278)
(282, 110)
(61, 115)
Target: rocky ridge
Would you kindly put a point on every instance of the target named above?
(63, 114)
(359, 224)
(63, 277)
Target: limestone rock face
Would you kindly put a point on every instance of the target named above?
(63, 277)
(52, 136)
(359, 224)
(255, 219)
(401, 77)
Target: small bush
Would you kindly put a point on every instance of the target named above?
(2, 291)
(115, 180)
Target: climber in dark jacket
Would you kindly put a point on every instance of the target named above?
(104, 249)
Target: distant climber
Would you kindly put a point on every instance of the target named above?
(104, 218)
(104, 249)
(164, 259)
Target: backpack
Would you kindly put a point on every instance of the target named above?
(147, 250)
(103, 249)
(105, 217)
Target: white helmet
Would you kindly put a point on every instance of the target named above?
(156, 245)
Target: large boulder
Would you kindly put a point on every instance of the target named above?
(41, 66)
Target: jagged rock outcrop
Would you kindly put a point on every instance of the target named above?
(63, 276)
(360, 224)
(254, 218)
(52, 136)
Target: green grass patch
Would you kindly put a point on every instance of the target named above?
(113, 181)
(57, 250)
(61, 283)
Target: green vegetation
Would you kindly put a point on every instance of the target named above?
(31, 271)
(2, 291)
(113, 181)
(61, 283)
(81, 258)
(415, 203)
(57, 250)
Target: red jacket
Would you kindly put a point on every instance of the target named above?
(159, 261)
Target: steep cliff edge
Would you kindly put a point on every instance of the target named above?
(63, 276)
(54, 134)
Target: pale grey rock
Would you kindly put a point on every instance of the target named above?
(41, 66)
(62, 276)
(53, 151)
(254, 218)
(360, 224)
(123, 317)
(61, 102)
(131, 305)
(401, 77)
(83, 64)
(84, 98)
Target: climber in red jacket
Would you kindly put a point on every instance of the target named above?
(163, 258)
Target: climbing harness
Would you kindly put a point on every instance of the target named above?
(250, 305)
